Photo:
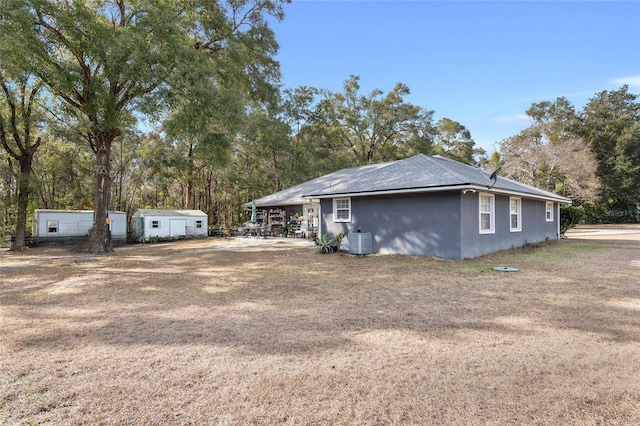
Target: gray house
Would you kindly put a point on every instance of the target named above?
(429, 206)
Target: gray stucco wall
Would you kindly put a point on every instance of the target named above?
(420, 224)
(535, 228)
(444, 225)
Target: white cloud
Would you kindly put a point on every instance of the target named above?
(633, 81)
(511, 119)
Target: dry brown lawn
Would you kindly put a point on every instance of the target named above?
(209, 332)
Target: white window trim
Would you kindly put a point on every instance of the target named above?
(335, 210)
(155, 227)
(548, 209)
(492, 217)
(519, 213)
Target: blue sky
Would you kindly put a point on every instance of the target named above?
(477, 62)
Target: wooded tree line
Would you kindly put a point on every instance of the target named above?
(118, 105)
(591, 156)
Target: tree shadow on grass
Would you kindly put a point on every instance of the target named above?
(301, 303)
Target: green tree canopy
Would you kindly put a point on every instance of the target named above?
(107, 60)
(20, 118)
(374, 127)
(610, 124)
(454, 141)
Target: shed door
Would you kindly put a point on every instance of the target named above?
(177, 227)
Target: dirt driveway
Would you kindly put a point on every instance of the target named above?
(606, 232)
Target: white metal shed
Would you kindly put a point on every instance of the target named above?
(57, 224)
(167, 223)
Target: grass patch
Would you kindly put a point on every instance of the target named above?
(568, 249)
(466, 266)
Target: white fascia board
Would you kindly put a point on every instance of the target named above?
(393, 192)
(557, 199)
(278, 203)
(71, 211)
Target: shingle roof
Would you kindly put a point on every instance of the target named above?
(294, 195)
(418, 173)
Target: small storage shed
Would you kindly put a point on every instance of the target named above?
(49, 225)
(166, 223)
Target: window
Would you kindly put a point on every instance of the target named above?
(515, 207)
(549, 211)
(487, 219)
(155, 224)
(199, 224)
(52, 226)
(342, 209)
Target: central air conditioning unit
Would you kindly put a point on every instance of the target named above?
(359, 243)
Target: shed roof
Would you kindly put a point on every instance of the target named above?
(72, 211)
(168, 212)
(420, 173)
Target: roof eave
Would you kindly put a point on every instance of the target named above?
(524, 194)
(391, 191)
(277, 203)
(458, 187)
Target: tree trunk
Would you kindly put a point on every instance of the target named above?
(121, 177)
(23, 201)
(7, 195)
(189, 197)
(100, 237)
